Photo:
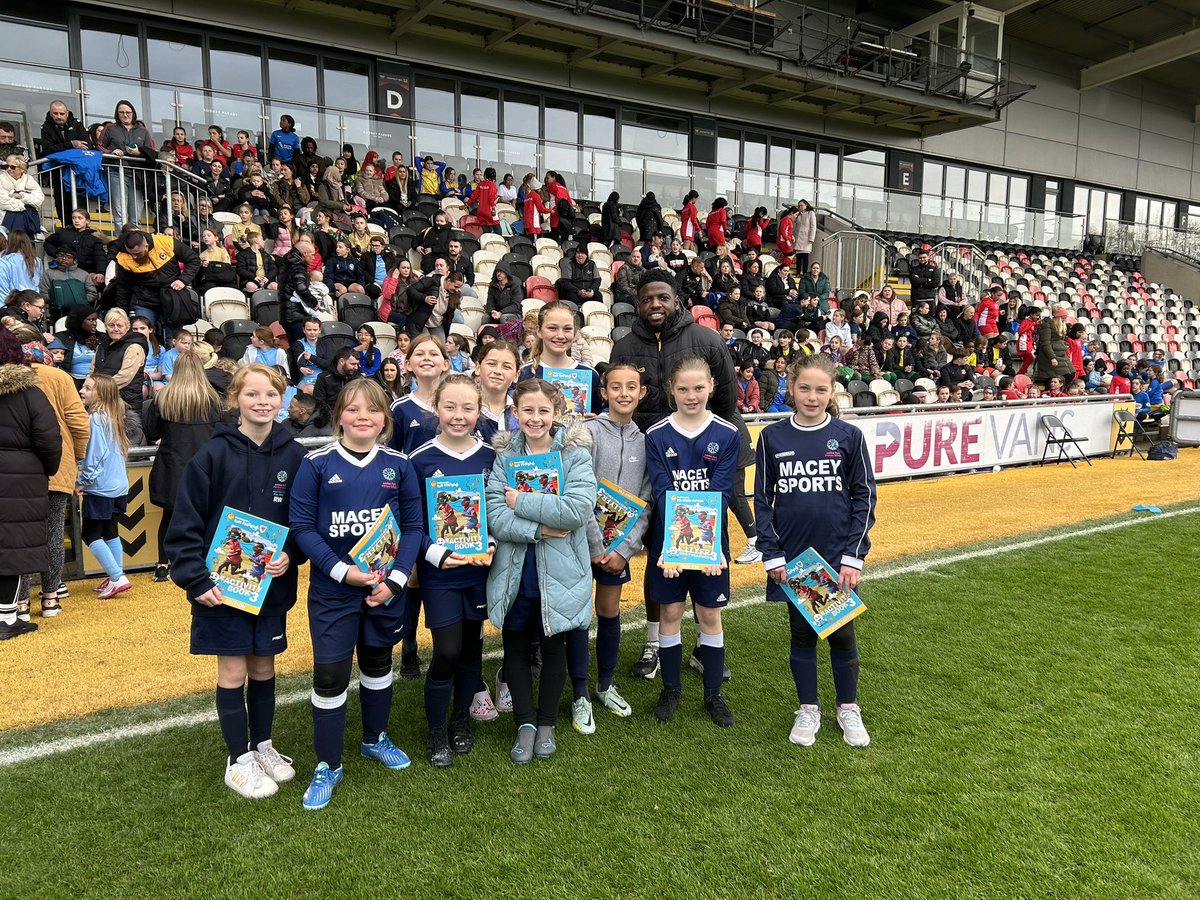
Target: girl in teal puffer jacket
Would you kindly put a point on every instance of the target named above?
(540, 584)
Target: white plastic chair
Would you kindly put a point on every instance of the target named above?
(224, 303)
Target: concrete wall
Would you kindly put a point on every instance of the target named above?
(1182, 276)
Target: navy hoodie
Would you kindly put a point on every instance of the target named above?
(230, 470)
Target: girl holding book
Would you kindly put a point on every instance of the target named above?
(691, 450)
(453, 585)
(341, 491)
(249, 466)
(619, 457)
(103, 482)
(814, 487)
(535, 589)
(414, 421)
(497, 370)
(552, 350)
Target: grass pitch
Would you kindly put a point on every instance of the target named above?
(1032, 721)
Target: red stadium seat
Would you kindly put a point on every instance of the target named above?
(545, 293)
(470, 224)
(536, 281)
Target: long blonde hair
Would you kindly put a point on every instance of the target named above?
(107, 404)
(188, 397)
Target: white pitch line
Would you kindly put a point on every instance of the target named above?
(119, 733)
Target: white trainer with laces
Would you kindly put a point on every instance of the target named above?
(807, 724)
(246, 777)
(581, 716)
(854, 733)
(274, 764)
(113, 588)
(750, 555)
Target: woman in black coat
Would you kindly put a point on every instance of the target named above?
(122, 354)
(610, 220)
(30, 451)
(504, 296)
(751, 278)
(649, 217)
(180, 419)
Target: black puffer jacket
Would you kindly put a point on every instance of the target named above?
(654, 355)
(88, 248)
(30, 451)
(293, 281)
(56, 138)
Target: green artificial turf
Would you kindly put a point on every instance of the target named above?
(1032, 718)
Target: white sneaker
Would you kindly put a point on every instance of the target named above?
(113, 588)
(750, 555)
(581, 716)
(503, 696)
(808, 723)
(274, 764)
(614, 702)
(247, 778)
(482, 707)
(854, 733)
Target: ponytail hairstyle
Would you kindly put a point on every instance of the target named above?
(266, 335)
(617, 367)
(461, 379)
(111, 408)
(498, 346)
(823, 363)
(687, 364)
(539, 385)
(551, 307)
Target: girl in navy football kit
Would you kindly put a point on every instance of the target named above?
(619, 456)
(497, 368)
(555, 335)
(341, 490)
(691, 450)
(413, 423)
(538, 585)
(814, 487)
(251, 467)
(453, 586)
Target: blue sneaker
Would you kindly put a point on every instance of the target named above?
(320, 789)
(386, 752)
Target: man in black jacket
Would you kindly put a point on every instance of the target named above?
(330, 383)
(62, 131)
(89, 250)
(580, 280)
(145, 265)
(924, 278)
(434, 300)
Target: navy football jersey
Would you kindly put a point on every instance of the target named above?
(413, 423)
(336, 499)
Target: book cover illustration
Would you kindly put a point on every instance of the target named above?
(237, 558)
(456, 513)
(693, 522)
(617, 511)
(541, 473)
(812, 586)
(576, 387)
(376, 550)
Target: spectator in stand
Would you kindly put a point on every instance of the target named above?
(861, 359)
(1053, 356)
(185, 154)
(1055, 388)
(580, 279)
(369, 357)
(1027, 333)
(128, 138)
(649, 217)
(430, 184)
(716, 225)
(724, 280)
(121, 354)
(952, 295)
(284, 144)
(900, 359)
(756, 225)
(220, 146)
(732, 311)
(562, 207)
(773, 387)
(629, 276)
(256, 269)
(676, 260)
(947, 327)
(33, 444)
(483, 202)
(343, 272)
(507, 191)
(931, 358)
(988, 312)
(255, 193)
(535, 211)
(401, 187)
(837, 326)
(752, 277)
(817, 282)
(20, 197)
(903, 326)
(393, 306)
(309, 157)
(449, 185)
(180, 420)
(923, 322)
(456, 262)
(62, 131)
(748, 389)
(377, 262)
(887, 302)
(433, 301)
(344, 369)
(64, 284)
(957, 373)
(201, 164)
(80, 340)
(144, 266)
(806, 234)
(504, 296)
(654, 252)
(1095, 377)
(610, 221)
(782, 286)
(965, 329)
(20, 268)
(83, 241)
(1074, 336)
(369, 185)
(1120, 380)
(243, 148)
(689, 221)
(924, 278)
(220, 188)
(756, 353)
(785, 235)
(694, 284)
(434, 241)
(8, 142)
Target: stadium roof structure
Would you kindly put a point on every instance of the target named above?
(766, 53)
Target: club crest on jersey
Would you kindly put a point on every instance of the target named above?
(832, 444)
(389, 474)
(713, 446)
(281, 475)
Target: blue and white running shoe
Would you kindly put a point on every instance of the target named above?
(320, 789)
(386, 752)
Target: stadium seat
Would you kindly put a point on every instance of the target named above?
(338, 334)
(222, 304)
(385, 336)
(264, 306)
(535, 281)
(237, 337)
(544, 294)
(619, 332)
(531, 304)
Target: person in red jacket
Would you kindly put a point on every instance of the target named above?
(689, 221)
(557, 192)
(1027, 339)
(216, 140)
(535, 213)
(714, 225)
(785, 239)
(1075, 349)
(988, 311)
(184, 154)
(755, 226)
(483, 202)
